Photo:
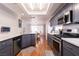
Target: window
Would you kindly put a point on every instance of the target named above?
(35, 29)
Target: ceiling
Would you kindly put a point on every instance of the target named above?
(34, 13)
(36, 8)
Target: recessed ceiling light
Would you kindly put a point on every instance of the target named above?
(33, 6)
(36, 8)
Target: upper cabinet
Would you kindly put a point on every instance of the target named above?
(50, 22)
(53, 21)
(63, 16)
(76, 12)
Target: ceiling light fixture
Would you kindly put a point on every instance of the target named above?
(41, 7)
(36, 8)
(33, 6)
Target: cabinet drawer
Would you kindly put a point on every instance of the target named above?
(74, 49)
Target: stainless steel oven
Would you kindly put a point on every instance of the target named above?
(57, 45)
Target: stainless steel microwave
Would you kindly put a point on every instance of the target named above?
(68, 17)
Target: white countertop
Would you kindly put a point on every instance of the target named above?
(74, 41)
(8, 37)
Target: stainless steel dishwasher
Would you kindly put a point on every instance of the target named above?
(16, 45)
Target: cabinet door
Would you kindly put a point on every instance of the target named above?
(26, 41)
(5, 51)
(53, 21)
(51, 42)
(66, 49)
(72, 48)
(48, 39)
(66, 52)
(76, 12)
(33, 39)
(6, 48)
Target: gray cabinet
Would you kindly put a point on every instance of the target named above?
(33, 39)
(6, 48)
(76, 12)
(67, 52)
(50, 41)
(53, 21)
(70, 49)
(28, 40)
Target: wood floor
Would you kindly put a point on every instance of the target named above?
(41, 46)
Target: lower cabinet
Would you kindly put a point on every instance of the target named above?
(28, 40)
(12, 47)
(66, 52)
(6, 47)
(50, 41)
(70, 49)
(33, 39)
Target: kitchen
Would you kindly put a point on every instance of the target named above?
(56, 23)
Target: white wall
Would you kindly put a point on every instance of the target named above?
(26, 28)
(28, 23)
(9, 19)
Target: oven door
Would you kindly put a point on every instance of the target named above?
(57, 47)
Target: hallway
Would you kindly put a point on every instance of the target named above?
(41, 49)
